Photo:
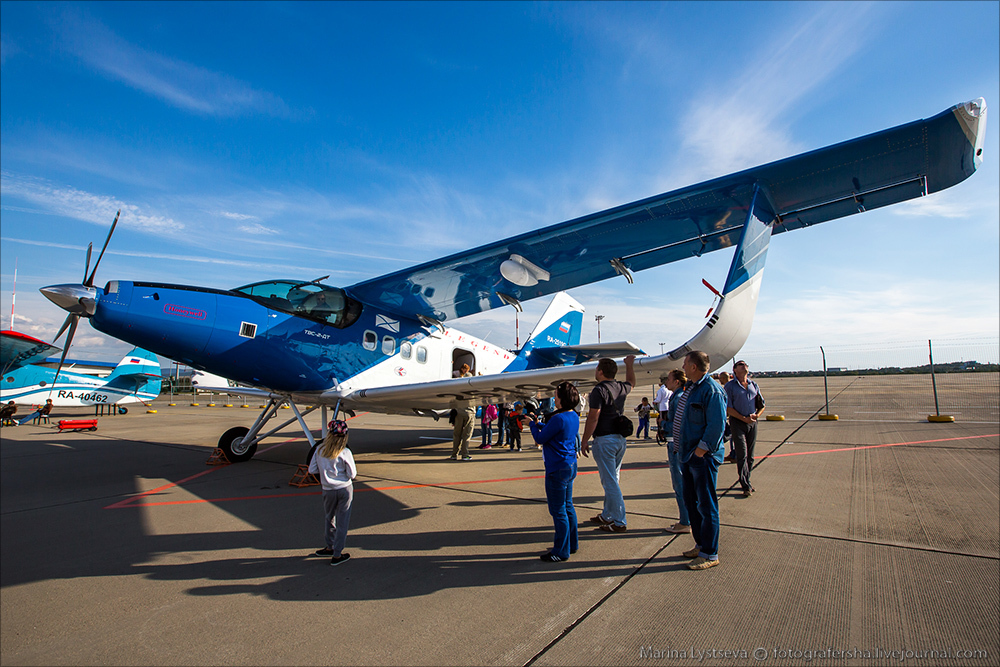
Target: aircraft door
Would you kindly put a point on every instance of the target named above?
(459, 357)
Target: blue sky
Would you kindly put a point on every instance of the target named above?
(265, 140)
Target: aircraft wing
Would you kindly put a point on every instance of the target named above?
(884, 168)
(18, 349)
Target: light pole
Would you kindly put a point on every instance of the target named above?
(599, 318)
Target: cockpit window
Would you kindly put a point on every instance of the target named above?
(313, 301)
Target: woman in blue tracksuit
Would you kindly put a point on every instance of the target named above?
(558, 440)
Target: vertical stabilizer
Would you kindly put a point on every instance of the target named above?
(560, 325)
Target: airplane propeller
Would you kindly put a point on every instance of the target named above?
(78, 300)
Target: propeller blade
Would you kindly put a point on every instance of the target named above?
(86, 267)
(89, 282)
(65, 324)
(69, 341)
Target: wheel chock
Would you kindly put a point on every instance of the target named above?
(775, 418)
(218, 458)
(303, 477)
(828, 418)
(940, 419)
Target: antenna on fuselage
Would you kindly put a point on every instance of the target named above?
(319, 279)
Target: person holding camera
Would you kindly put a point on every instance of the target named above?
(558, 442)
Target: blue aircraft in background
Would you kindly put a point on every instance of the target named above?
(382, 344)
(136, 378)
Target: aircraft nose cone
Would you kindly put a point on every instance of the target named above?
(76, 299)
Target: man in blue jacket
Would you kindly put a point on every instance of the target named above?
(701, 414)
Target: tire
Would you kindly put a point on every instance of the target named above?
(235, 451)
(122, 410)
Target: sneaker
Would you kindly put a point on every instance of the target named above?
(692, 553)
(518, 449)
(600, 520)
(700, 563)
(612, 528)
(551, 558)
(325, 551)
(452, 458)
(466, 458)
(337, 560)
(487, 447)
(679, 529)
(747, 493)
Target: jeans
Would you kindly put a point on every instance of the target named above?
(337, 504)
(559, 493)
(643, 424)
(609, 451)
(487, 433)
(700, 476)
(744, 439)
(677, 479)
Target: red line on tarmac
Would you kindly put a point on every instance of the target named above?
(130, 501)
(892, 444)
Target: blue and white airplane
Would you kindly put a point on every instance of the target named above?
(383, 344)
(136, 378)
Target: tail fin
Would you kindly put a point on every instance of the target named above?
(560, 325)
(139, 371)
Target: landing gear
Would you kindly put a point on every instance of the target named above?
(232, 443)
(240, 443)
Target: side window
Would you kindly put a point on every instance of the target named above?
(406, 350)
(370, 340)
(388, 345)
(421, 354)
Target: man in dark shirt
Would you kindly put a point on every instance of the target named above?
(607, 401)
(741, 395)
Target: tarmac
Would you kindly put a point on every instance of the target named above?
(872, 540)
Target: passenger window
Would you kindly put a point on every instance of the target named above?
(370, 341)
(388, 345)
(421, 354)
(406, 350)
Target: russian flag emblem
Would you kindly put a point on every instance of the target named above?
(564, 327)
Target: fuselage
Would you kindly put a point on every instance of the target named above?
(278, 335)
(32, 385)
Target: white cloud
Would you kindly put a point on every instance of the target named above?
(237, 216)
(180, 84)
(81, 205)
(744, 122)
(257, 229)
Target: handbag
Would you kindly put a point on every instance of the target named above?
(623, 426)
(758, 402)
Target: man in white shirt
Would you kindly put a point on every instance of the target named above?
(661, 401)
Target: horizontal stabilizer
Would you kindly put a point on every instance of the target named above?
(570, 355)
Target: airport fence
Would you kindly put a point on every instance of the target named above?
(890, 380)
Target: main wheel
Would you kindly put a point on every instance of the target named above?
(232, 444)
(122, 410)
